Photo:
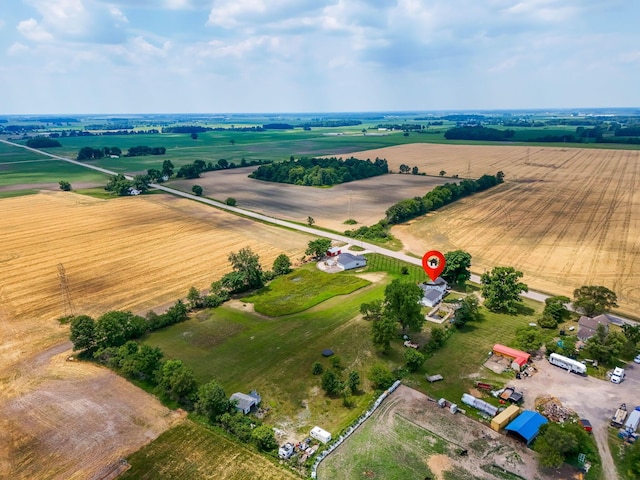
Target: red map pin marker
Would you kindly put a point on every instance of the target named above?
(433, 263)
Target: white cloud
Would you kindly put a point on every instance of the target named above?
(17, 48)
(31, 30)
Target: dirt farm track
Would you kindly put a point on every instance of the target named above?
(62, 419)
(565, 217)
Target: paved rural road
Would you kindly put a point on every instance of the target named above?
(533, 295)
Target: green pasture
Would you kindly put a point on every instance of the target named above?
(243, 351)
(191, 451)
(302, 289)
(17, 193)
(48, 171)
(10, 154)
(393, 452)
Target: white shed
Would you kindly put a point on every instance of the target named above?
(348, 261)
(320, 434)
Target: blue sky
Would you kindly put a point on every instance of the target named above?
(133, 56)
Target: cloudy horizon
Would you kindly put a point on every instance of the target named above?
(234, 56)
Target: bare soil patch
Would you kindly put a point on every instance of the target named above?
(125, 253)
(363, 200)
(564, 217)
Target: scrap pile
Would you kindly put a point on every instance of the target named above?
(551, 408)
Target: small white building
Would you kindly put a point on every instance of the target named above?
(433, 292)
(320, 434)
(285, 451)
(348, 261)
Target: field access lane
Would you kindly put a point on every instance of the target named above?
(533, 295)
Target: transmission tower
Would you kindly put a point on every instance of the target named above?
(65, 296)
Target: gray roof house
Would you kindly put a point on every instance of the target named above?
(433, 291)
(587, 326)
(348, 261)
(244, 403)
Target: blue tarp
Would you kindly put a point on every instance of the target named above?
(527, 425)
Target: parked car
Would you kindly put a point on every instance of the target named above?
(637, 359)
(586, 424)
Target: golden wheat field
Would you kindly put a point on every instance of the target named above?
(125, 253)
(565, 217)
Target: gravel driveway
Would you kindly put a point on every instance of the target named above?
(589, 397)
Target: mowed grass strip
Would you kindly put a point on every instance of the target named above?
(302, 289)
(191, 451)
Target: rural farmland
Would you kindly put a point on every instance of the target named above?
(565, 217)
(123, 253)
(363, 200)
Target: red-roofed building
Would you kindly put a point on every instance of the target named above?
(519, 357)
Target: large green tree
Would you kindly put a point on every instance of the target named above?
(383, 330)
(281, 265)
(401, 302)
(317, 248)
(331, 383)
(83, 332)
(413, 359)
(529, 339)
(212, 401)
(594, 299)
(115, 328)
(457, 266)
(380, 377)
(264, 438)
(553, 443)
(372, 310)
(468, 311)
(177, 381)
(501, 289)
(247, 265)
(605, 346)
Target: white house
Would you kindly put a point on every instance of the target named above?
(320, 434)
(244, 403)
(433, 292)
(348, 261)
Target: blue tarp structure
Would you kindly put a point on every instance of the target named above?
(527, 425)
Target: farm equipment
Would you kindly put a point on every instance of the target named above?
(620, 416)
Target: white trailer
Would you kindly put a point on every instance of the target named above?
(320, 434)
(631, 425)
(567, 363)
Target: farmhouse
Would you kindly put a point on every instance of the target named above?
(433, 292)
(519, 357)
(588, 326)
(334, 252)
(244, 403)
(348, 261)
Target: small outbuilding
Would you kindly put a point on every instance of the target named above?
(286, 450)
(527, 425)
(320, 434)
(503, 418)
(348, 261)
(519, 357)
(244, 403)
(334, 252)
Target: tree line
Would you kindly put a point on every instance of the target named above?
(320, 171)
(89, 153)
(43, 142)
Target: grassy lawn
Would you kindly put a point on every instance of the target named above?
(48, 171)
(192, 451)
(398, 454)
(17, 193)
(302, 289)
(380, 263)
(244, 351)
(11, 154)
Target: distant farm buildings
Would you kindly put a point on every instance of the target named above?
(244, 403)
(433, 292)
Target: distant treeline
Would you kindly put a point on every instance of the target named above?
(88, 153)
(193, 170)
(330, 123)
(42, 142)
(320, 171)
(628, 132)
(479, 133)
(441, 195)
(278, 126)
(400, 126)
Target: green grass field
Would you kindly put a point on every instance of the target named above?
(399, 453)
(302, 289)
(192, 451)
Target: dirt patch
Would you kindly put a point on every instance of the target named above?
(373, 277)
(439, 464)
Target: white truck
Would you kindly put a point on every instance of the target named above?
(618, 375)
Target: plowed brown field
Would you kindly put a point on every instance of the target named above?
(565, 217)
(126, 253)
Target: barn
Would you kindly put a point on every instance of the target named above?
(348, 261)
(527, 425)
(519, 357)
(334, 252)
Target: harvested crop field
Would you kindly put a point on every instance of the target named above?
(565, 217)
(125, 253)
(364, 200)
(410, 437)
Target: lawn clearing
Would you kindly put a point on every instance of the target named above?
(192, 451)
(243, 351)
(302, 289)
(565, 217)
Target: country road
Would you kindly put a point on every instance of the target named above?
(531, 294)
